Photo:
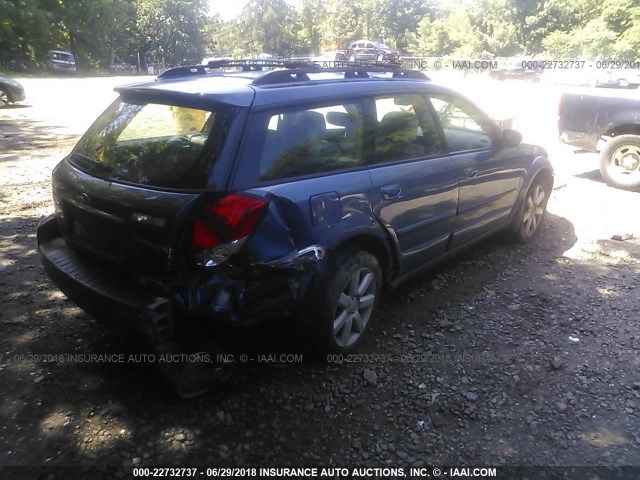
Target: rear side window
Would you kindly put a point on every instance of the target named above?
(307, 141)
(155, 144)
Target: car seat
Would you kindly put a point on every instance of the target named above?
(397, 137)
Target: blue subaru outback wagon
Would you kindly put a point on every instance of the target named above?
(234, 193)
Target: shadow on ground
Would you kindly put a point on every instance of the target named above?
(592, 175)
(510, 303)
(21, 135)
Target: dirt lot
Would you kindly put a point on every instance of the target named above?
(508, 355)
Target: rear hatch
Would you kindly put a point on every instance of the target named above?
(128, 189)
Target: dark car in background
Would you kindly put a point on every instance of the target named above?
(368, 50)
(210, 196)
(11, 91)
(618, 85)
(59, 61)
(517, 70)
(123, 69)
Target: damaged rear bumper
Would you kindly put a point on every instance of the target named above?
(102, 293)
(240, 295)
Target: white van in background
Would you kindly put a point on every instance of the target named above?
(59, 61)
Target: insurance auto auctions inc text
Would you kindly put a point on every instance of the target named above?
(376, 472)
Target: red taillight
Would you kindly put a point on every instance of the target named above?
(560, 106)
(226, 220)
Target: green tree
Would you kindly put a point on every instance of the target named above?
(448, 31)
(269, 26)
(124, 38)
(86, 25)
(400, 19)
(172, 30)
(25, 28)
(496, 23)
(311, 33)
(590, 29)
(433, 38)
(341, 24)
(100, 32)
(623, 18)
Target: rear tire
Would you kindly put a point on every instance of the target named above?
(348, 297)
(620, 162)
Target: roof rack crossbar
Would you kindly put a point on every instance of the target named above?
(356, 74)
(282, 76)
(186, 71)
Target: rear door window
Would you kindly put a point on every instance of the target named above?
(306, 141)
(406, 129)
(155, 144)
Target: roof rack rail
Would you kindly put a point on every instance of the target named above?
(305, 62)
(301, 74)
(247, 64)
(296, 70)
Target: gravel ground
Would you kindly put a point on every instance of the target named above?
(507, 355)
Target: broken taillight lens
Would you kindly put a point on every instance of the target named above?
(224, 225)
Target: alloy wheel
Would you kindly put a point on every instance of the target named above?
(4, 99)
(355, 306)
(533, 209)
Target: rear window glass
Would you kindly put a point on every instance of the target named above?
(155, 144)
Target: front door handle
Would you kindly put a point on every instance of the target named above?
(470, 172)
(390, 191)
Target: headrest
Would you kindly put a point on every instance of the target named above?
(398, 122)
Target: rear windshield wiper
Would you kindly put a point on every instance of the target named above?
(91, 164)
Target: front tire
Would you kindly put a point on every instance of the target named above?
(620, 162)
(4, 98)
(348, 297)
(534, 207)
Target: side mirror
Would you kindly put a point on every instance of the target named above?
(511, 138)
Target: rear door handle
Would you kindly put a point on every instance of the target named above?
(390, 191)
(470, 172)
